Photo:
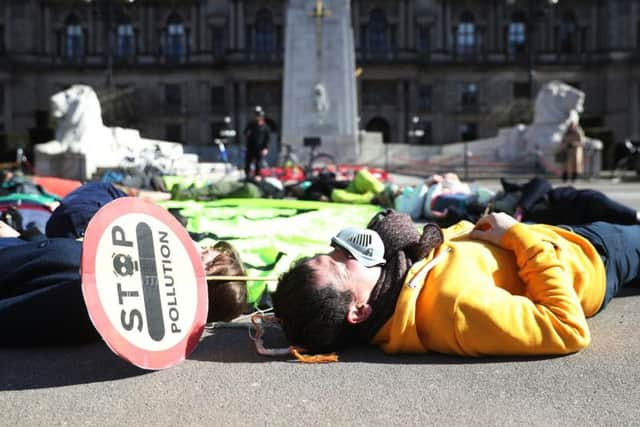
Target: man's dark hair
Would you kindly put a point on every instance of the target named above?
(312, 315)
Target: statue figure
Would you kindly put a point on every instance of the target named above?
(321, 102)
(79, 122)
(83, 144)
(558, 103)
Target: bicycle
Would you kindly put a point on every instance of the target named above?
(317, 161)
(626, 158)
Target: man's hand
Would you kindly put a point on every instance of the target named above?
(492, 227)
(264, 152)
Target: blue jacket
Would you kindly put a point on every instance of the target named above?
(41, 299)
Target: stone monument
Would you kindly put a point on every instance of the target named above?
(83, 144)
(319, 93)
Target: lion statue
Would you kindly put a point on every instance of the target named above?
(79, 122)
(83, 144)
(558, 103)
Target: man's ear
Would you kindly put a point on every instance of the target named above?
(358, 313)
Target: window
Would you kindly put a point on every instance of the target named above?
(266, 94)
(381, 125)
(568, 33)
(265, 32)
(517, 35)
(217, 98)
(423, 44)
(469, 95)
(520, 90)
(175, 39)
(74, 43)
(173, 132)
(125, 39)
(172, 95)
(425, 101)
(377, 32)
(375, 93)
(468, 131)
(218, 42)
(466, 35)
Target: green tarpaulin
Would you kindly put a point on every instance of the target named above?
(271, 233)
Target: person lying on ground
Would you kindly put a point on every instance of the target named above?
(536, 201)
(41, 300)
(497, 288)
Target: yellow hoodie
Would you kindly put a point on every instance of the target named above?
(531, 296)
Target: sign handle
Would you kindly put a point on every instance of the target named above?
(243, 278)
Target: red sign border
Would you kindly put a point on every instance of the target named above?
(142, 358)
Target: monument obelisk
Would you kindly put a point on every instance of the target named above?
(319, 93)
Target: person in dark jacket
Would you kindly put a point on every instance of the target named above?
(41, 301)
(257, 134)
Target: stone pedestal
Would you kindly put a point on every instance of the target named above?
(319, 98)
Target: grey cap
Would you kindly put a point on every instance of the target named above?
(363, 244)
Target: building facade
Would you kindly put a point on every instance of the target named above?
(458, 69)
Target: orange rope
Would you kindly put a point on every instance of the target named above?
(315, 358)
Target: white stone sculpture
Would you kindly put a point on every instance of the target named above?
(84, 144)
(79, 126)
(321, 101)
(523, 148)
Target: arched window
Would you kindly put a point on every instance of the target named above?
(265, 32)
(175, 43)
(378, 124)
(377, 31)
(466, 34)
(74, 43)
(567, 37)
(517, 34)
(125, 38)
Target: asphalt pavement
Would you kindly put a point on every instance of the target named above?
(224, 382)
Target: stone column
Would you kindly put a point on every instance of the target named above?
(49, 34)
(633, 116)
(411, 13)
(402, 24)
(232, 29)
(242, 110)
(401, 112)
(413, 98)
(240, 15)
(196, 31)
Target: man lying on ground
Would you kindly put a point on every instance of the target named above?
(497, 288)
(536, 201)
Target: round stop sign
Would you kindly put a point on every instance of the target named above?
(143, 283)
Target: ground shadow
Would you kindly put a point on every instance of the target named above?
(629, 291)
(43, 367)
(233, 345)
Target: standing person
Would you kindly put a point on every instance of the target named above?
(257, 134)
(497, 288)
(573, 144)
